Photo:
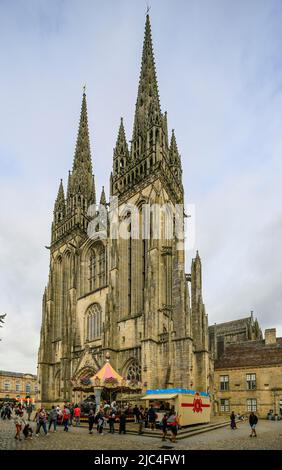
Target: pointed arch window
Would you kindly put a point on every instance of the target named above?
(92, 271)
(93, 322)
(102, 267)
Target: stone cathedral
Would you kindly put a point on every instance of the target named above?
(127, 297)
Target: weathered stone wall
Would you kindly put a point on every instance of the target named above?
(268, 392)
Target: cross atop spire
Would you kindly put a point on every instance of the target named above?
(147, 103)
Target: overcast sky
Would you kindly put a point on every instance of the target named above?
(219, 68)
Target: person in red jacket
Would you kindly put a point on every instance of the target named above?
(77, 413)
(66, 417)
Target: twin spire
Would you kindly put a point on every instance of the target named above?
(81, 185)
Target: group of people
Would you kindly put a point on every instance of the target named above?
(253, 420)
(43, 420)
(21, 424)
(108, 416)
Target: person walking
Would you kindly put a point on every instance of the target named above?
(136, 413)
(172, 423)
(233, 421)
(141, 420)
(19, 423)
(71, 408)
(100, 422)
(91, 420)
(152, 417)
(253, 420)
(163, 425)
(77, 413)
(111, 421)
(66, 417)
(53, 416)
(8, 411)
(41, 422)
(29, 411)
(122, 422)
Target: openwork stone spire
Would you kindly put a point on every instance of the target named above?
(148, 110)
(103, 197)
(81, 180)
(82, 151)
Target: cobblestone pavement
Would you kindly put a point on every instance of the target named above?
(74, 439)
(269, 437)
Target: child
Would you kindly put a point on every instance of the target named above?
(27, 431)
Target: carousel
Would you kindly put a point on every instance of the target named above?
(107, 385)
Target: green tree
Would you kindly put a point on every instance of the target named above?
(2, 320)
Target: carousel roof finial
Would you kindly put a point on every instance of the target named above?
(108, 356)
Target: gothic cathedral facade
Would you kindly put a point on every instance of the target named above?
(130, 297)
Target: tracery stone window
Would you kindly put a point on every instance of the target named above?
(93, 322)
(97, 268)
(102, 267)
(134, 372)
(92, 271)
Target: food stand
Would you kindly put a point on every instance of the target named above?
(192, 407)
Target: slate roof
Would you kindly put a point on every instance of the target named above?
(250, 353)
(231, 325)
(16, 374)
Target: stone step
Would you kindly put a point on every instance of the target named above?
(182, 433)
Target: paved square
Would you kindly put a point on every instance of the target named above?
(269, 437)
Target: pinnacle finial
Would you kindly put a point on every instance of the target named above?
(121, 148)
(60, 199)
(103, 201)
(173, 150)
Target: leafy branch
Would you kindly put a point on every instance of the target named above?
(2, 320)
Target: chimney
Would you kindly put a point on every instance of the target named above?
(270, 336)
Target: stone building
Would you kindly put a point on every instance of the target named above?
(248, 377)
(236, 331)
(18, 386)
(131, 296)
